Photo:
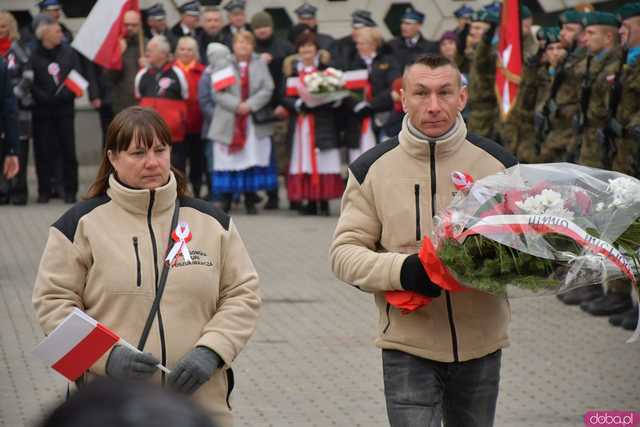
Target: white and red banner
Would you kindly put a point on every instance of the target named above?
(224, 78)
(76, 344)
(543, 224)
(99, 37)
(76, 83)
(509, 64)
(356, 79)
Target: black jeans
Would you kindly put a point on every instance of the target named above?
(54, 136)
(422, 393)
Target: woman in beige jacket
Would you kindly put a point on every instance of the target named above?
(105, 256)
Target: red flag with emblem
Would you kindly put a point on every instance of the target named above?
(509, 64)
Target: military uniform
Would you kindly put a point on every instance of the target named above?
(603, 66)
(483, 104)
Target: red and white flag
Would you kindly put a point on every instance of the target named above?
(75, 344)
(509, 65)
(356, 79)
(99, 37)
(222, 79)
(76, 83)
(293, 84)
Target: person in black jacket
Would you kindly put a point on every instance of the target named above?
(53, 9)
(272, 51)
(189, 20)
(237, 21)
(315, 166)
(306, 14)
(8, 125)
(410, 43)
(369, 113)
(345, 48)
(156, 19)
(16, 55)
(53, 111)
(212, 24)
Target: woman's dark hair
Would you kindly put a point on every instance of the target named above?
(134, 123)
(306, 37)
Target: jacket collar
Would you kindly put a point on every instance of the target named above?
(138, 202)
(444, 147)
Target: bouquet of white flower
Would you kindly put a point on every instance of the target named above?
(323, 87)
(539, 229)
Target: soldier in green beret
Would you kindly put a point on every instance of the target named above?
(554, 120)
(538, 73)
(483, 104)
(598, 69)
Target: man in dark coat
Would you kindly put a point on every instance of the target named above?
(272, 51)
(237, 21)
(345, 48)
(8, 125)
(53, 9)
(189, 20)
(410, 43)
(156, 18)
(212, 24)
(306, 14)
(53, 111)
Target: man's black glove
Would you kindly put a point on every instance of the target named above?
(193, 370)
(414, 278)
(126, 364)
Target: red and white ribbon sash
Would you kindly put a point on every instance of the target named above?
(181, 236)
(222, 79)
(543, 224)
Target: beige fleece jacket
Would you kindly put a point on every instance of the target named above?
(393, 192)
(105, 256)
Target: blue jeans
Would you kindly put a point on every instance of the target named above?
(422, 393)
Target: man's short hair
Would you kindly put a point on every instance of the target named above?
(162, 43)
(208, 9)
(433, 61)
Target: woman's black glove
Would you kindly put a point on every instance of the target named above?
(193, 370)
(126, 364)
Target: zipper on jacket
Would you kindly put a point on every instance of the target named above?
(418, 229)
(152, 197)
(138, 272)
(384, 331)
(452, 326)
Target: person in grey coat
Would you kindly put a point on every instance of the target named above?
(241, 145)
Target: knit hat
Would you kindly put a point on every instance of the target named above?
(261, 20)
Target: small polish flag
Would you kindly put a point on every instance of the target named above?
(292, 86)
(222, 79)
(76, 83)
(75, 344)
(356, 79)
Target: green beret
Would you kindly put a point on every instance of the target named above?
(525, 12)
(600, 18)
(629, 11)
(571, 17)
(485, 16)
(549, 34)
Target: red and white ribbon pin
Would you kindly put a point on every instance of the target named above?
(461, 180)
(181, 236)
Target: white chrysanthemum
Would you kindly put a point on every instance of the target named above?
(548, 202)
(625, 192)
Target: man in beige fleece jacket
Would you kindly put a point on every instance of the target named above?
(441, 362)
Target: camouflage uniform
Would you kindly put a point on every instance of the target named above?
(560, 140)
(628, 115)
(483, 104)
(600, 78)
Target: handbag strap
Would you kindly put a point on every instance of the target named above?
(161, 283)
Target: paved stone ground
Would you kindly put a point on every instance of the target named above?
(312, 361)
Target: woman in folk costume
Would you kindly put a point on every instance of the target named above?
(371, 112)
(241, 148)
(314, 169)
